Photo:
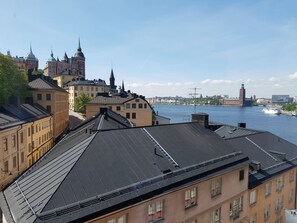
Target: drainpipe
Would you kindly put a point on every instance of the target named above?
(32, 142)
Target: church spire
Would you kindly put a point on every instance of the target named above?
(123, 86)
(79, 48)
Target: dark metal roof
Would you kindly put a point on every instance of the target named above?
(273, 153)
(43, 84)
(109, 100)
(87, 83)
(12, 115)
(89, 172)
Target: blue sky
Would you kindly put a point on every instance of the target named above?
(164, 47)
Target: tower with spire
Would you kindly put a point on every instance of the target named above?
(112, 86)
(73, 67)
(30, 62)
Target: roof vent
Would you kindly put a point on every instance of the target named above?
(255, 165)
(242, 124)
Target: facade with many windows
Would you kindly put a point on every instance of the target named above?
(25, 135)
(54, 99)
(133, 107)
(90, 88)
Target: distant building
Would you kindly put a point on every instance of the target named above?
(74, 66)
(281, 99)
(26, 134)
(132, 106)
(89, 87)
(242, 101)
(54, 99)
(30, 62)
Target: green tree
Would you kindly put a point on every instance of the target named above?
(13, 82)
(80, 103)
(289, 107)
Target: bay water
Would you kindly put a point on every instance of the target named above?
(284, 126)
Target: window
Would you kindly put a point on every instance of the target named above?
(236, 207)
(133, 115)
(140, 105)
(22, 137)
(39, 97)
(75, 94)
(14, 162)
(5, 144)
(13, 141)
(133, 105)
(22, 157)
(291, 176)
(127, 105)
(48, 97)
(128, 115)
(112, 221)
(118, 108)
(75, 88)
(49, 108)
(216, 216)
(5, 167)
(253, 219)
(29, 131)
(81, 88)
(278, 205)
(291, 195)
(155, 211)
(279, 183)
(267, 189)
(253, 197)
(88, 88)
(145, 105)
(32, 130)
(122, 219)
(216, 187)
(241, 175)
(92, 88)
(190, 197)
(266, 212)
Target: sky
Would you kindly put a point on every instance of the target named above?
(164, 47)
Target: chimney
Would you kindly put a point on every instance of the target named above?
(201, 118)
(255, 165)
(242, 124)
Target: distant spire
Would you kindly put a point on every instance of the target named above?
(79, 48)
(52, 54)
(112, 80)
(30, 48)
(123, 86)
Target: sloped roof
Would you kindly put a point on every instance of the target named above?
(273, 153)
(12, 115)
(89, 172)
(87, 83)
(109, 100)
(43, 84)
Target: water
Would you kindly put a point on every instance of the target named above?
(281, 125)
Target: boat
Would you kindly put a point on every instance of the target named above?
(271, 110)
(294, 114)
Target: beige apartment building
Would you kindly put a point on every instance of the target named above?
(54, 99)
(90, 88)
(133, 107)
(25, 135)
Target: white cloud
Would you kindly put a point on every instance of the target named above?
(293, 76)
(209, 81)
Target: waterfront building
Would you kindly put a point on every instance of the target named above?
(54, 99)
(132, 106)
(242, 101)
(74, 66)
(25, 135)
(88, 87)
(169, 173)
(281, 99)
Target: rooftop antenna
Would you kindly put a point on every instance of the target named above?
(194, 95)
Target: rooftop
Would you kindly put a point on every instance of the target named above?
(115, 167)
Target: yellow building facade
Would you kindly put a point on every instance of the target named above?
(55, 100)
(136, 109)
(90, 88)
(23, 140)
